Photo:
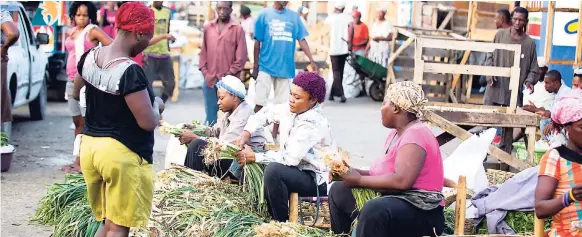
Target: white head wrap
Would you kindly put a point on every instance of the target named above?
(233, 85)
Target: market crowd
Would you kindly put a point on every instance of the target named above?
(116, 52)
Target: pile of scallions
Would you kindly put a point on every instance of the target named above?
(191, 203)
(65, 207)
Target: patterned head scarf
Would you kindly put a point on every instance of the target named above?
(568, 108)
(408, 96)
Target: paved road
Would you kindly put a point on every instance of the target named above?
(44, 146)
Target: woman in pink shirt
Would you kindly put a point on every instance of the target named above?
(83, 36)
(106, 18)
(409, 175)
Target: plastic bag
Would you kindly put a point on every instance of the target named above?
(77, 146)
(175, 152)
(467, 160)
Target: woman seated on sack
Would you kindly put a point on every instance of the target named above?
(297, 167)
(231, 101)
(559, 187)
(409, 176)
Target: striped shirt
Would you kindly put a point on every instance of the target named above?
(568, 174)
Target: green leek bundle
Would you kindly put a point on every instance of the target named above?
(253, 172)
(196, 128)
(65, 206)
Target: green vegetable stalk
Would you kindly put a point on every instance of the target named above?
(362, 195)
(3, 139)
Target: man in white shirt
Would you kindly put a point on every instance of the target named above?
(540, 97)
(338, 46)
(553, 84)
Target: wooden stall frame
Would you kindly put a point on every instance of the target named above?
(473, 16)
(408, 32)
(551, 10)
(512, 72)
(577, 60)
(463, 134)
(549, 31)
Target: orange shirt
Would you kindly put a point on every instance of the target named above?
(568, 174)
(361, 34)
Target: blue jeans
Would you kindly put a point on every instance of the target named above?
(210, 103)
(543, 124)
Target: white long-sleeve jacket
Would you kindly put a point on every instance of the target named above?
(301, 137)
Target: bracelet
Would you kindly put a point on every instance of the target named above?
(565, 202)
(572, 196)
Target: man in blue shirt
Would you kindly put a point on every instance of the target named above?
(276, 30)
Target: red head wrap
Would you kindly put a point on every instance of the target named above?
(135, 17)
(357, 14)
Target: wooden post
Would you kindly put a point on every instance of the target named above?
(474, 18)
(391, 75)
(514, 85)
(400, 49)
(418, 62)
(458, 76)
(549, 31)
(447, 19)
(469, 85)
(461, 206)
(294, 207)
(531, 144)
(469, 19)
(414, 5)
(577, 62)
(176, 68)
(435, 17)
(539, 227)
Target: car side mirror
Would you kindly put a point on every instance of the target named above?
(42, 38)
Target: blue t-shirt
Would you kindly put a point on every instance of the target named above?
(277, 31)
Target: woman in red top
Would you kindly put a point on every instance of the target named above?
(359, 37)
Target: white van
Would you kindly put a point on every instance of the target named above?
(27, 66)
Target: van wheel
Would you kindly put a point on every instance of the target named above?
(37, 107)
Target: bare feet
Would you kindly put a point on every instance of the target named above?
(71, 169)
(74, 168)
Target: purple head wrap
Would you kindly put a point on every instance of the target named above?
(312, 83)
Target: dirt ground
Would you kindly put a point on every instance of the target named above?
(44, 146)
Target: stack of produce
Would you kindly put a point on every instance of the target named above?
(196, 127)
(253, 172)
(336, 160)
(191, 203)
(287, 229)
(185, 203)
(66, 208)
(521, 222)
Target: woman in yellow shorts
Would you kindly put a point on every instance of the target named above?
(122, 113)
(559, 188)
